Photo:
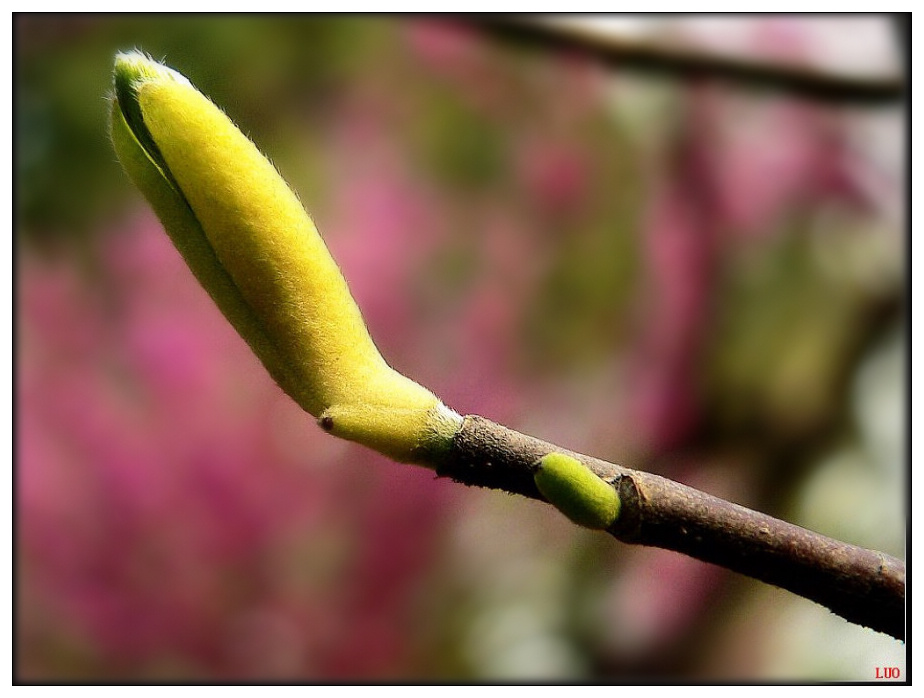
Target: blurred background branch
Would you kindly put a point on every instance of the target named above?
(665, 56)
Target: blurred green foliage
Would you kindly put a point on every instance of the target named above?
(265, 71)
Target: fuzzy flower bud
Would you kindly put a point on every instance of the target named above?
(249, 242)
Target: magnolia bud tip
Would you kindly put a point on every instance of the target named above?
(134, 67)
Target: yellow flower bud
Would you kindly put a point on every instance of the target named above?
(250, 243)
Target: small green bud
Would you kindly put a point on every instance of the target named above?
(573, 489)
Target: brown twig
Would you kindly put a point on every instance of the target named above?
(690, 63)
(863, 586)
